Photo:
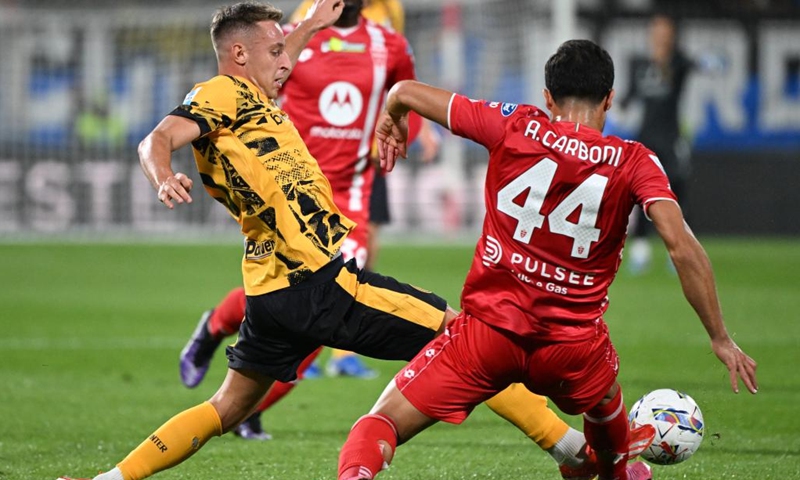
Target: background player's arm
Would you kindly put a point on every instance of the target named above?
(155, 157)
(699, 288)
(321, 15)
(392, 128)
(429, 141)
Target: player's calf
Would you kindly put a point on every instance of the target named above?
(369, 448)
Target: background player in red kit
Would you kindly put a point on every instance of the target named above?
(558, 196)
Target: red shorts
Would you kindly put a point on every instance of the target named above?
(471, 362)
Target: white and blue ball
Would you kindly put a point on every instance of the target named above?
(678, 422)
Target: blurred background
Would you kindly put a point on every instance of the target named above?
(84, 81)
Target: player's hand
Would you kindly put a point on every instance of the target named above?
(739, 364)
(175, 188)
(392, 136)
(324, 13)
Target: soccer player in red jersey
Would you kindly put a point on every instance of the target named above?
(558, 196)
(334, 96)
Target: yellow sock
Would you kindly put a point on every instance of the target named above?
(338, 353)
(173, 442)
(529, 412)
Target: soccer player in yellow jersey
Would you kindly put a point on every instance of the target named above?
(300, 293)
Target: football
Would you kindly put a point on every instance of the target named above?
(678, 422)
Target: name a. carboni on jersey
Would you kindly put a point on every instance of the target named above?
(255, 250)
(572, 146)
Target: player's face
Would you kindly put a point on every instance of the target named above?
(268, 63)
(662, 38)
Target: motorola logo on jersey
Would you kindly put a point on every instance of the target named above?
(340, 104)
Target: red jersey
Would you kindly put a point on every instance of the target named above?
(334, 96)
(558, 196)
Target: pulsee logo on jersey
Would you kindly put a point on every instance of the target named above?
(341, 103)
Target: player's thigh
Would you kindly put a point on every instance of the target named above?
(574, 375)
(264, 346)
(387, 318)
(468, 364)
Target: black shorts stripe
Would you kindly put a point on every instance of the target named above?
(338, 306)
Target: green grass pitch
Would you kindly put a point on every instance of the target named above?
(91, 336)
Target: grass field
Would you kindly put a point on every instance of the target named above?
(91, 335)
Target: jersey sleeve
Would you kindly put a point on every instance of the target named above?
(649, 181)
(480, 121)
(210, 105)
(403, 67)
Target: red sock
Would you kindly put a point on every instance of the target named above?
(606, 430)
(228, 315)
(362, 455)
(281, 389)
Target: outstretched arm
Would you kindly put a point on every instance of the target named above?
(155, 157)
(321, 15)
(699, 288)
(392, 128)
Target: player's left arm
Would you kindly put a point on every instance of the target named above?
(699, 287)
(321, 15)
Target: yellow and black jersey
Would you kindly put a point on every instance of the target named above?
(252, 160)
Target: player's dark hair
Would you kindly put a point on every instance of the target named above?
(580, 69)
(241, 18)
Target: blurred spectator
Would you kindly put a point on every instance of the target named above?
(658, 80)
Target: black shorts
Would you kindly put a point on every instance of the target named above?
(339, 306)
(379, 201)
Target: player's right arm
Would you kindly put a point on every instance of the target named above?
(321, 15)
(699, 287)
(155, 157)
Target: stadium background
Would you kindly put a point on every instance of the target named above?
(84, 81)
(100, 285)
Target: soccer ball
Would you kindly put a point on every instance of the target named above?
(678, 423)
